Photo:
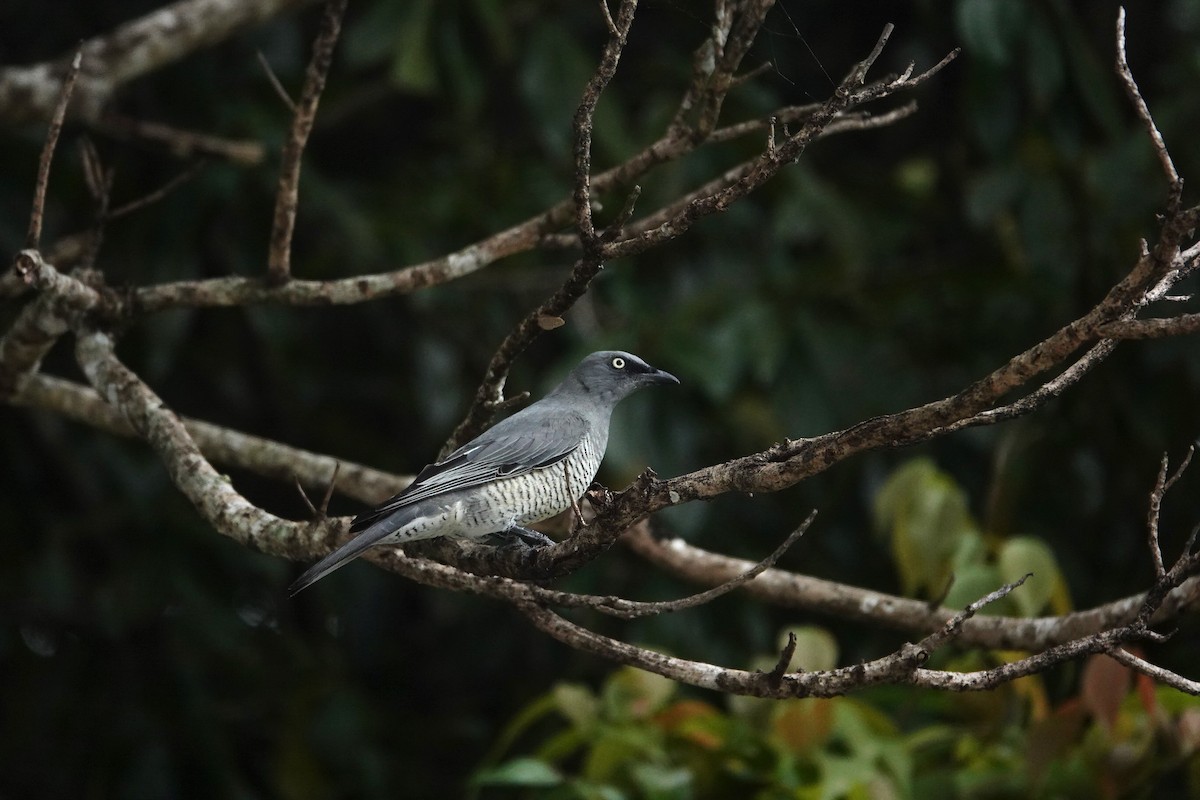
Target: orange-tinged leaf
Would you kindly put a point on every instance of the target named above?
(690, 720)
(1187, 729)
(677, 713)
(801, 726)
(1104, 684)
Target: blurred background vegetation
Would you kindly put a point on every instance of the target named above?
(142, 655)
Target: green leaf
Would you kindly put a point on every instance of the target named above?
(816, 649)
(1045, 62)
(632, 693)
(972, 582)
(927, 518)
(618, 748)
(531, 713)
(577, 703)
(371, 37)
(1025, 554)
(660, 782)
(520, 772)
(553, 72)
(994, 192)
(989, 28)
(413, 68)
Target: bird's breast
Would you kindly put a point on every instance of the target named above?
(532, 496)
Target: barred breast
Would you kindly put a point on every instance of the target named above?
(534, 496)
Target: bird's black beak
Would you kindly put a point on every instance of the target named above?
(656, 375)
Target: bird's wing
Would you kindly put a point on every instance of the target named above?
(517, 445)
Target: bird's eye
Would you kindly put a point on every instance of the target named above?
(618, 363)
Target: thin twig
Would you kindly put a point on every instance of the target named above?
(158, 194)
(279, 265)
(1153, 328)
(1191, 540)
(596, 250)
(1175, 185)
(491, 389)
(715, 72)
(483, 560)
(707, 596)
(312, 510)
(775, 676)
(1035, 399)
(608, 19)
(99, 181)
(1156, 495)
(751, 74)
(1162, 485)
(337, 467)
(1163, 676)
(274, 81)
(33, 236)
(322, 512)
(529, 234)
(858, 73)
(749, 176)
(953, 626)
(1183, 465)
(584, 113)
(183, 144)
(843, 123)
(613, 231)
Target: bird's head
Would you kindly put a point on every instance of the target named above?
(611, 375)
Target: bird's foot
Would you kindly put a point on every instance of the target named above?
(516, 534)
(577, 520)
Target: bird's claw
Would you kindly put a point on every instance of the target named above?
(516, 534)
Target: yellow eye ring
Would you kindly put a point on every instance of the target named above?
(618, 363)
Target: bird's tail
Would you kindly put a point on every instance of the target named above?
(350, 551)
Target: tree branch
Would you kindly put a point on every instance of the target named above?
(134, 49)
(1154, 328)
(62, 301)
(1163, 676)
(123, 403)
(180, 143)
(815, 595)
(1174, 183)
(491, 389)
(209, 491)
(279, 258)
(219, 444)
(33, 237)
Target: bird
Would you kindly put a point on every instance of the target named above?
(526, 468)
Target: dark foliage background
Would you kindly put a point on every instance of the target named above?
(141, 655)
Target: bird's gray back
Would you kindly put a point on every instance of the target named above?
(532, 442)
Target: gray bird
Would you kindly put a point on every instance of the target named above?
(526, 468)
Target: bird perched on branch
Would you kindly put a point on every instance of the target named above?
(527, 468)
